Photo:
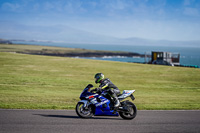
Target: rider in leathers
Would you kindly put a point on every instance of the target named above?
(107, 85)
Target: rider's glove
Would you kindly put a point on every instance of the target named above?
(98, 90)
(93, 90)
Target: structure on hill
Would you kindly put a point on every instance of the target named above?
(165, 58)
(3, 41)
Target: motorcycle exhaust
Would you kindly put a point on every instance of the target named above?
(122, 109)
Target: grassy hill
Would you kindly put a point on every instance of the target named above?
(46, 82)
(62, 52)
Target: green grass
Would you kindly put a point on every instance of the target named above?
(43, 82)
(23, 48)
(29, 49)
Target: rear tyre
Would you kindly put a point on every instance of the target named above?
(131, 113)
(84, 112)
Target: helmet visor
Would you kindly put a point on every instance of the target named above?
(97, 80)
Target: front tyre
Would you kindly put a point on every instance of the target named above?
(84, 112)
(131, 111)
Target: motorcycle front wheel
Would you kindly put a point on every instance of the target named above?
(131, 113)
(84, 112)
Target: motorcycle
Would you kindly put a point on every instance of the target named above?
(101, 104)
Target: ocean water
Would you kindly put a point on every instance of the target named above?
(188, 55)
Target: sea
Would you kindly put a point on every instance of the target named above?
(188, 55)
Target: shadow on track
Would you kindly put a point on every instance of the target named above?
(58, 116)
(77, 117)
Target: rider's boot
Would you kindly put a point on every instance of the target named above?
(115, 100)
(116, 103)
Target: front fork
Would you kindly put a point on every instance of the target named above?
(85, 103)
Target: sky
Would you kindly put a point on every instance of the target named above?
(176, 20)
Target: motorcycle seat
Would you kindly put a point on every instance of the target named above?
(119, 95)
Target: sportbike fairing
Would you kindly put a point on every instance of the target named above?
(101, 103)
(126, 93)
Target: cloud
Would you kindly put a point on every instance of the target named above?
(14, 7)
(117, 5)
(49, 6)
(191, 12)
(152, 19)
(188, 2)
(191, 8)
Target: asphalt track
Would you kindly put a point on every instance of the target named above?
(66, 121)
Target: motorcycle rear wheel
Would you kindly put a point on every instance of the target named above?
(131, 113)
(84, 112)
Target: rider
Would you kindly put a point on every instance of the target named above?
(107, 85)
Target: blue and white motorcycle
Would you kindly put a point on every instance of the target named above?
(100, 104)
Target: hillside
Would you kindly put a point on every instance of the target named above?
(62, 52)
(3, 41)
(73, 35)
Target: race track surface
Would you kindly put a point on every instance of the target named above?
(66, 121)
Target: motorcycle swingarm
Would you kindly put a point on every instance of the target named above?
(123, 108)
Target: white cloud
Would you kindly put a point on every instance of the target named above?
(117, 18)
(191, 12)
(117, 5)
(48, 6)
(188, 2)
(149, 29)
(10, 7)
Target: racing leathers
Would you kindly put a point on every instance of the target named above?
(112, 90)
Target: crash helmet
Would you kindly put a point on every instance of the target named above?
(98, 77)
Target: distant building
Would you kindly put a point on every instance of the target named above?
(2, 41)
(165, 58)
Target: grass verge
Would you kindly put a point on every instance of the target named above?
(43, 82)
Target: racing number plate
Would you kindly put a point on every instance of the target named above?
(132, 97)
